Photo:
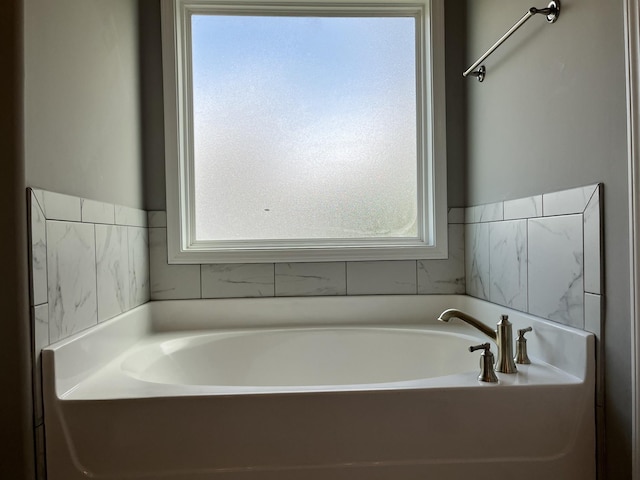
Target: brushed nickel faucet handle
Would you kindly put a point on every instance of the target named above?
(484, 346)
(521, 347)
(487, 373)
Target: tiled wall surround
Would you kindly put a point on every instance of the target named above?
(305, 279)
(89, 262)
(541, 255)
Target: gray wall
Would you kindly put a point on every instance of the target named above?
(15, 402)
(455, 60)
(152, 104)
(550, 115)
(82, 102)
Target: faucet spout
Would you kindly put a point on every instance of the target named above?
(465, 317)
(502, 336)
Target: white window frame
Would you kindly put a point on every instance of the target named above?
(432, 195)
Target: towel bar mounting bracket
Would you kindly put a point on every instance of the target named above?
(479, 73)
(551, 12)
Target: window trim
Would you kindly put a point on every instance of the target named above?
(431, 170)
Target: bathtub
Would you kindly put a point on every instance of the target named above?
(316, 388)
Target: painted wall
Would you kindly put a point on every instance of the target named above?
(455, 60)
(82, 102)
(16, 434)
(152, 103)
(551, 115)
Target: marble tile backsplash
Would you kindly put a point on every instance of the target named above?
(541, 255)
(508, 263)
(405, 277)
(71, 278)
(325, 278)
(89, 262)
(556, 269)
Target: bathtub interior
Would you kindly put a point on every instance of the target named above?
(312, 356)
(263, 427)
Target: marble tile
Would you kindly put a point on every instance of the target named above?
(567, 202)
(38, 253)
(308, 279)
(57, 206)
(132, 217)
(556, 287)
(382, 278)
(529, 207)
(40, 319)
(97, 212)
(157, 218)
(238, 280)
(456, 215)
(476, 263)
(112, 269)
(138, 247)
(170, 281)
(593, 244)
(491, 212)
(508, 264)
(71, 272)
(445, 276)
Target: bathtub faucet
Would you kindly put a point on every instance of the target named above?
(503, 336)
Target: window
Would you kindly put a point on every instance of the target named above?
(303, 131)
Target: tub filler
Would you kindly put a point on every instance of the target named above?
(357, 388)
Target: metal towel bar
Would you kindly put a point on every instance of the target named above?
(552, 12)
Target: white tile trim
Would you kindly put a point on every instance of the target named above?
(57, 206)
(132, 217)
(529, 207)
(567, 202)
(97, 212)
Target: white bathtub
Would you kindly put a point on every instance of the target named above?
(301, 358)
(318, 388)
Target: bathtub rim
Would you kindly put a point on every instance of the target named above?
(72, 360)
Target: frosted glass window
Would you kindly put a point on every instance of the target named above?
(304, 127)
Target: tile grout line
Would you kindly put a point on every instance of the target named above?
(275, 285)
(526, 229)
(346, 279)
(129, 271)
(95, 258)
(584, 255)
(46, 262)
